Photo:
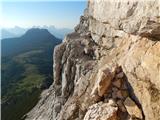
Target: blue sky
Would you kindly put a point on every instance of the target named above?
(38, 13)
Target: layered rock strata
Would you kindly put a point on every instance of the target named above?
(109, 68)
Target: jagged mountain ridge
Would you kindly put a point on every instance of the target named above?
(109, 68)
(18, 31)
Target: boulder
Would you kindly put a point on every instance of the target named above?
(132, 108)
(102, 111)
(104, 78)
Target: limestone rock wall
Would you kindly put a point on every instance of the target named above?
(109, 68)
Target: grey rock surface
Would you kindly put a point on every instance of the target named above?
(120, 36)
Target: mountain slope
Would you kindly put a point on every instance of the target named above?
(26, 71)
(109, 68)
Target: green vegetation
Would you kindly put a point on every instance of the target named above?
(25, 72)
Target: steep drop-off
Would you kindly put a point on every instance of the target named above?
(26, 70)
(109, 68)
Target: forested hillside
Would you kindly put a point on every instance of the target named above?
(26, 71)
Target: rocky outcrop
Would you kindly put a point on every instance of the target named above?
(109, 68)
(102, 111)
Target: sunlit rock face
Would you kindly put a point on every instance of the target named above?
(112, 59)
(139, 17)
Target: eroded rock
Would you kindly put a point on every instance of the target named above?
(102, 111)
(104, 78)
(132, 108)
(115, 41)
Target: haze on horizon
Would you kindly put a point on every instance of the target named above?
(26, 14)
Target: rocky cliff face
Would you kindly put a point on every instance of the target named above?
(109, 68)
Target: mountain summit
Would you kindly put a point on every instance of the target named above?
(18, 31)
(34, 38)
(37, 32)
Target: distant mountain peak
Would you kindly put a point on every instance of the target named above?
(34, 38)
(41, 32)
(19, 31)
(37, 30)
